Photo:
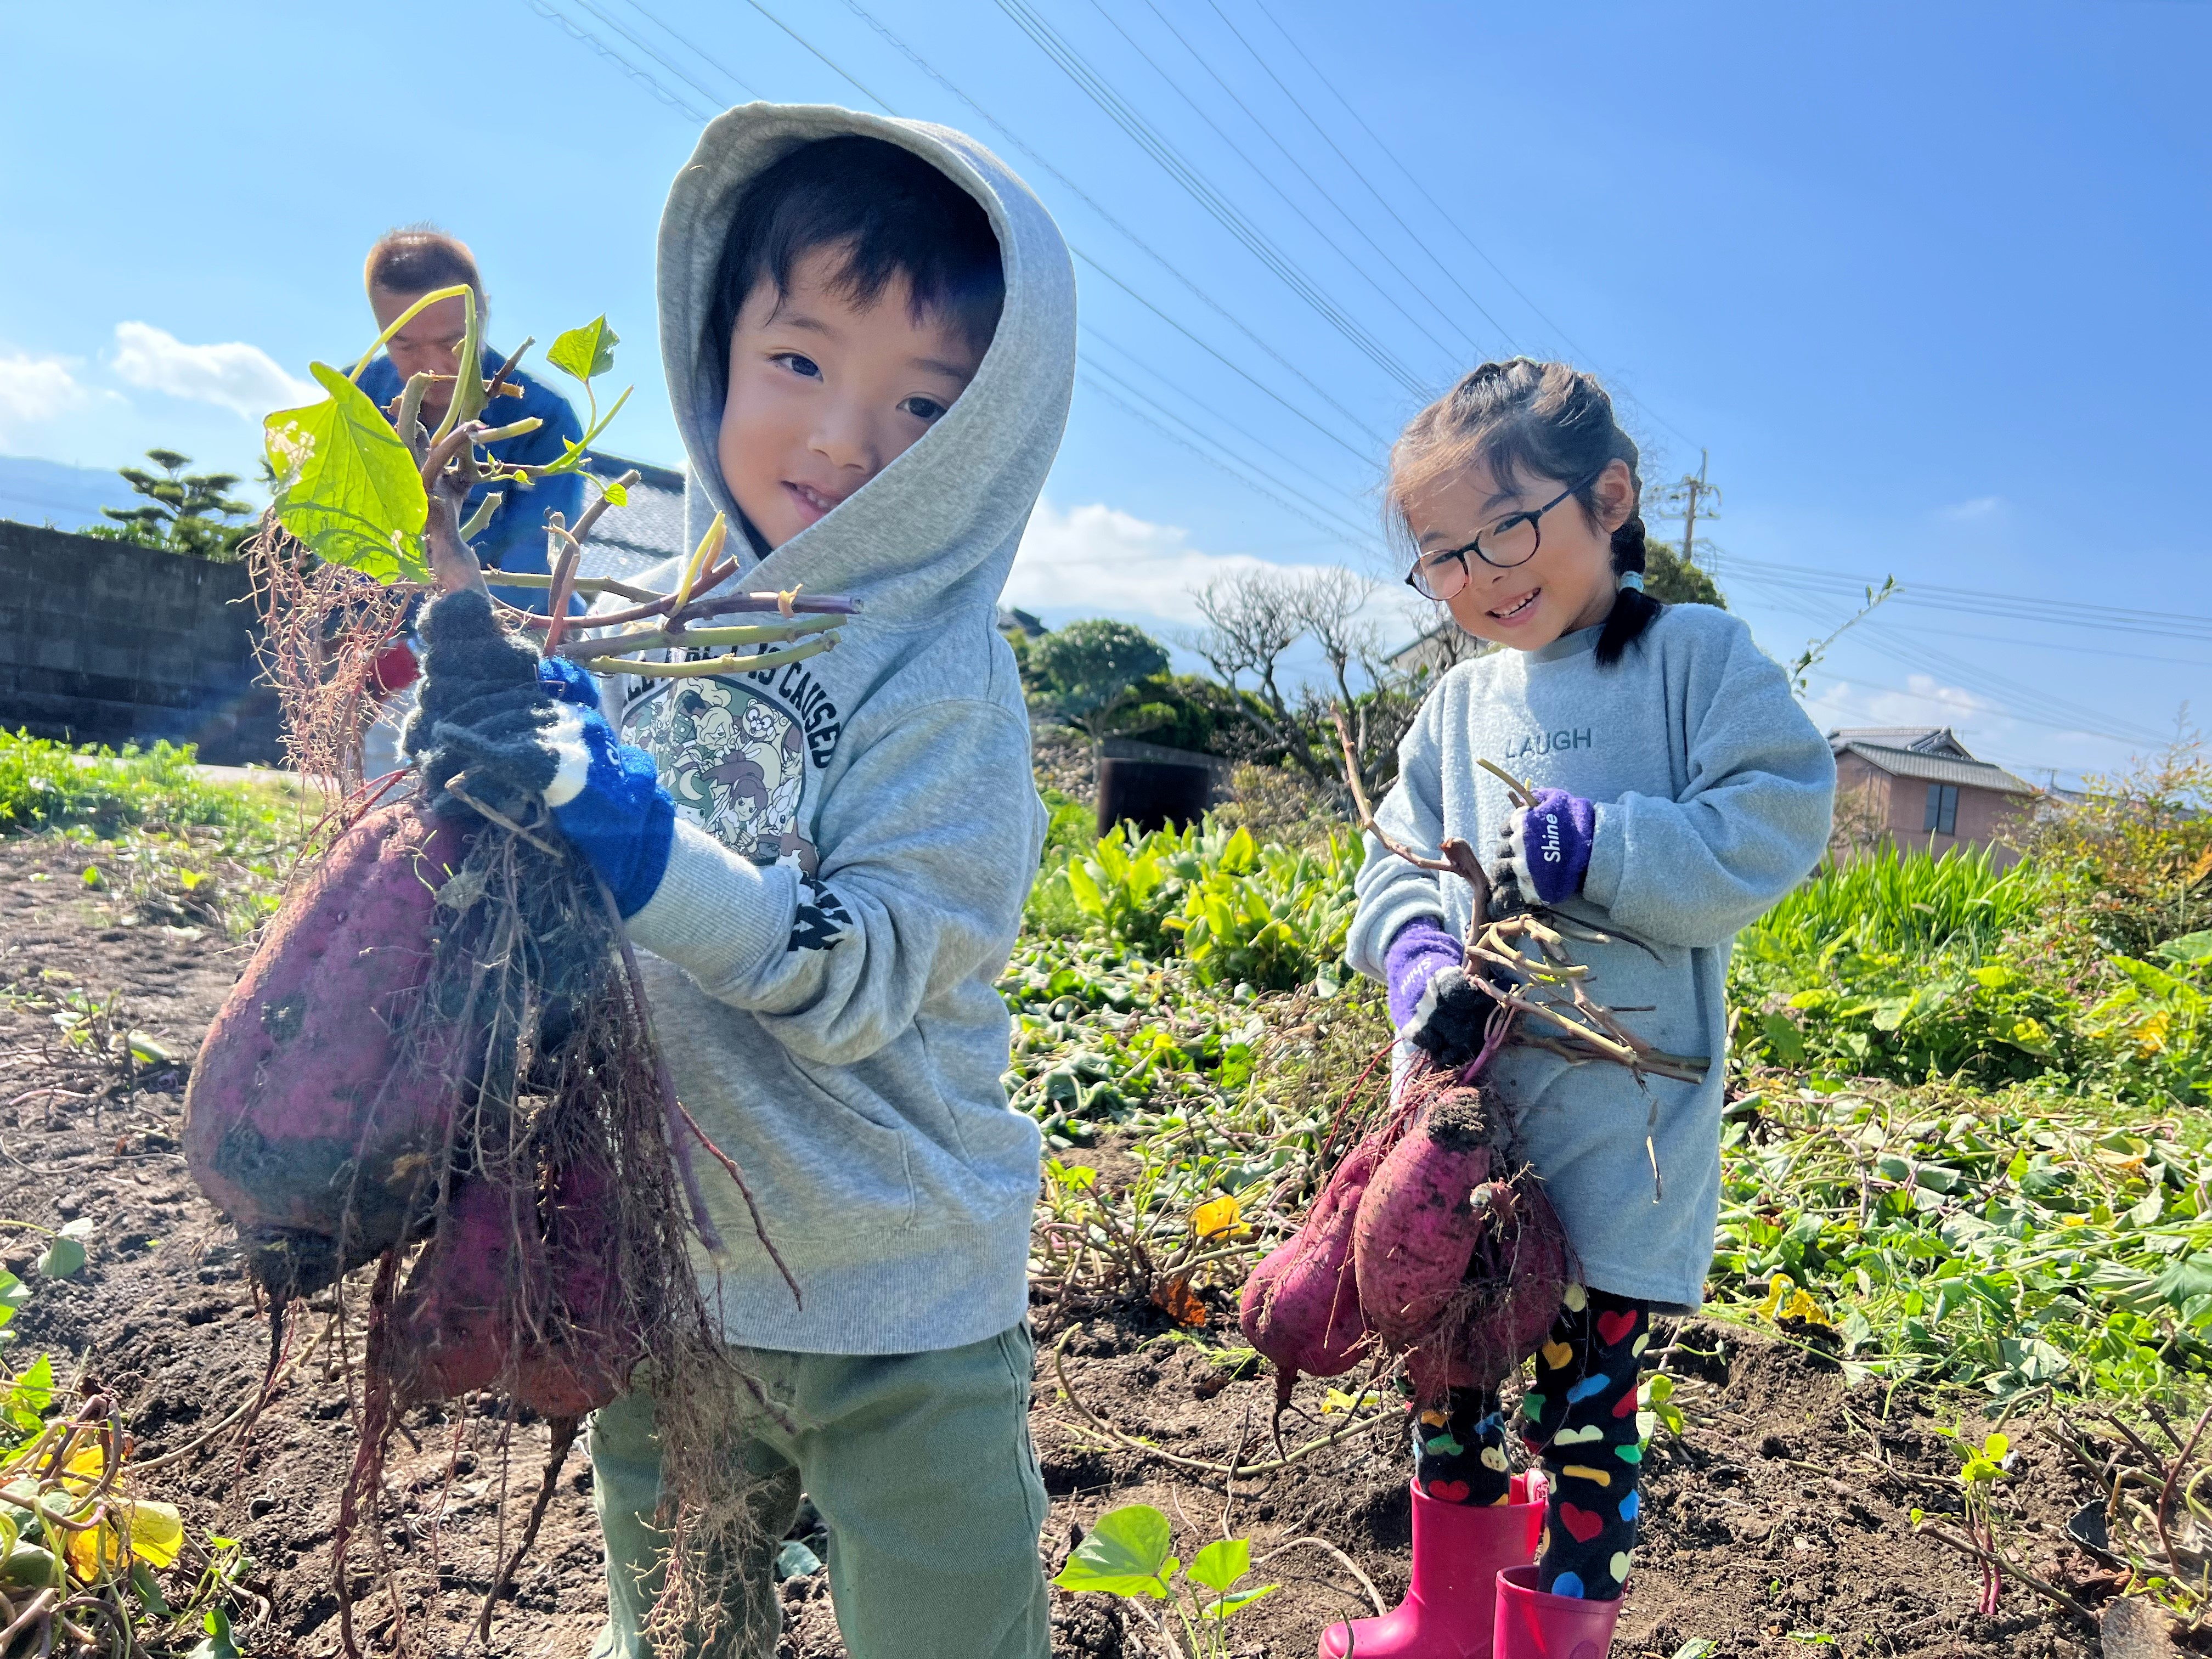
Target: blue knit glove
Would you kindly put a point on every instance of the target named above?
(604, 793)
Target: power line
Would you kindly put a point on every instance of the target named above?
(585, 37)
(1189, 396)
(1237, 150)
(704, 91)
(1328, 138)
(713, 64)
(1261, 6)
(1968, 601)
(1072, 63)
(1205, 440)
(1145, 247)
(1134, 413)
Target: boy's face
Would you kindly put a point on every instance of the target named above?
(425, 346)
(825, 393)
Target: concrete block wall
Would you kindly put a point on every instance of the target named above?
(104, 642)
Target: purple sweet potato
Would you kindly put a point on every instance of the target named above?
(305, 1120)
(1416, 1226)
(513, 1295)
(1301, 1308)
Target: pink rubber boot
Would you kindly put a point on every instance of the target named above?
(1532, 1625)
(1459, 1550)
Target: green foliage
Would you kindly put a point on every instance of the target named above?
(2002, 1242)
(346, 486)
(1086, 674)
(190, 513)
(1671, 581)
(1126, 1554)
(1271, 917)
(47, 786)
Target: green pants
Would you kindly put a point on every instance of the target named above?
(922, 1467)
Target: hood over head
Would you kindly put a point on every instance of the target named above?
(949, 513)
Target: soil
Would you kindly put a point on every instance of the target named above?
(1777, 1524)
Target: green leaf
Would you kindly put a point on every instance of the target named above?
(150, 1591)
(218, 1644)
(61, 1257)
(1222, 1562)
(1124, 1555)
(345, 485)
(2189, 948)
(14, 1293)
(1228, 1606)
(586, 351)
(616, 495)
(25, 1406)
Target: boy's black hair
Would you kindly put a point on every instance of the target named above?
(1523, 417)
(893, 214)
(419, 259)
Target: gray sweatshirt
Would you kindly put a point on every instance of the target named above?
(857, 832)
(1713, 793)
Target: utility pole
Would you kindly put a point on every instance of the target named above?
(1685, 497)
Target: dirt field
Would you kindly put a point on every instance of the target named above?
(1776, 1525)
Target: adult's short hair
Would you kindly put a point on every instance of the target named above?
(888, 211)
(419, 259)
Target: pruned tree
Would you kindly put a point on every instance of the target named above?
(185, 513)
(1088, 673)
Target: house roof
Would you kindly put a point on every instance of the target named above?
(647, 530)
(1966, 774)
(1920, 739)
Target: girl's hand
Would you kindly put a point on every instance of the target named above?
(1434, 1004)
(1543, 853)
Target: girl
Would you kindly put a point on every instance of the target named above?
(1679, 791)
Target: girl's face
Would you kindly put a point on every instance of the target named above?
(1567, 585)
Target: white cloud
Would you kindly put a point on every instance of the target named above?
(234, 375)
(1923, 700)
(1981, 507)
(1099, 561)
(36, 390)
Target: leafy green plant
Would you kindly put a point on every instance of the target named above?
(1087, 673)
(1128, 1554)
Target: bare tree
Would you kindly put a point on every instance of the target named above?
(1252, 620)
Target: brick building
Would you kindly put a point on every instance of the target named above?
(1918, 789)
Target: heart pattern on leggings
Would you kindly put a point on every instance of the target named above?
(1452, 1492)
(1612, 1329)
(1575, 1436)
(1584, 1524)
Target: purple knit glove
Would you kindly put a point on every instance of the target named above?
(1543, 853)
(1414, 957)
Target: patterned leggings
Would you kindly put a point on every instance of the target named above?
(1580, 1416)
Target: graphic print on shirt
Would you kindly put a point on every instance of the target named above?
(735, 752)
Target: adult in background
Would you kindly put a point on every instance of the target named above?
(402, 266)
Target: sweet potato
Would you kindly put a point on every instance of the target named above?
(1417, 1227)
(512, 1294)
(1301, 1308)
(304, 1120)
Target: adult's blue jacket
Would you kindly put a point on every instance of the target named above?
(515, 538)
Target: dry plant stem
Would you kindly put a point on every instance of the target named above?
(753, 1209)
(564, 1437)
(732, 664)
(1458, 858)
(2002, 1564)
(590, 520)
(569, 551)
(1374, 1596)
(660, 638)
(1060, 1372)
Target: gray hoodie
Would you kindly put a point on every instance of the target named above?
(1713, 792)
(858, 831)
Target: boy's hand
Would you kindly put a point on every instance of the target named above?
(520, 732)
(1543, 853)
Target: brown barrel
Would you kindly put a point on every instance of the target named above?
(1153, 794)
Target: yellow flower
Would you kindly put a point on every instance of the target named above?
(1219, 1218)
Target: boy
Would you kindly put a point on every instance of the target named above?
(868, 329)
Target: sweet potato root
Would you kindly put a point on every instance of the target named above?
(1417, 1225)
(308, 1119)
(1301, 1308)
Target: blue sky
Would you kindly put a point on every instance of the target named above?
(1928, 283)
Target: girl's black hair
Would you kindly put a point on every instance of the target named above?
(1526, 419)
(890, 212)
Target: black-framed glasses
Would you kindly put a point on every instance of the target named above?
(1513, 540)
